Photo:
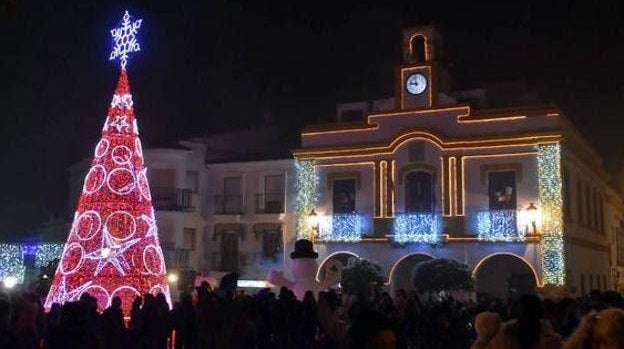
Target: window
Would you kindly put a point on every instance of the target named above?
(566, 192)
(229, 251)
(595, 208)
(419, 193)
(502, 190)
(417, 47)
(189, 239)
(272, 245)
(273, 198)
(601, 214)
(588, 208)
(591, 282)
(417, 151)
(192, 181)
(344, 195)
(162, 177)
(579, 203)
(232, 200)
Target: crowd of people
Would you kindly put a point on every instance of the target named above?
(206, 318)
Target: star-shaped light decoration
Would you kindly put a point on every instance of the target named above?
(125, 40)
(120, 123)
(112, 253)
(63, 295)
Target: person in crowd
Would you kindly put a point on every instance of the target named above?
(112, 325)
(599, 330)
(486, 326)
(371, 330)
(527, 330)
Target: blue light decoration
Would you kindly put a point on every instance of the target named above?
(125, 40)
(345, 227)
(46, 253)
(12, 262)
(417, 227)
(305, 184)
(12, 258)
(500, 225)
(550, 189)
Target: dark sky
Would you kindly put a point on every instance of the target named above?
(214, 65)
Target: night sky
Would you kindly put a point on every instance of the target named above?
(219, 65)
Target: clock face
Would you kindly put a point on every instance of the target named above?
(416, 84)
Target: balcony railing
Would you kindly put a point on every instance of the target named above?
(270, 203)
(228, 204)
(172, 199)
(417, 227)
(177, 258)
(501, 225)
(341, 227)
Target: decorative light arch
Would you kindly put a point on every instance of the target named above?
(538, 282)
(396, 264)
(318, 270)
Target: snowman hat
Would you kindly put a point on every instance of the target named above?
(303, 249)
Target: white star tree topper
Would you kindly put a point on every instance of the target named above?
(125, 40)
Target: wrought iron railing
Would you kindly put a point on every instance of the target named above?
(270, 203)
(172, 199)
(228, 204)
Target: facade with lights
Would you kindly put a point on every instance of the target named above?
(517, 194)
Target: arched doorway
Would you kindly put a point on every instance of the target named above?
(504, 275)
(402, 272)
(331, 267)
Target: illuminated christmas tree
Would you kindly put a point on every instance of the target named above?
(113, 249)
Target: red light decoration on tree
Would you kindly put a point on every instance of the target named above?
(113, 248)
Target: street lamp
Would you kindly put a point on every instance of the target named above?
(313, 222)
(532, 215)
(172, 278)
(9, 282)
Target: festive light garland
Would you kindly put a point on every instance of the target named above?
(421, 227)
(46, 253)
(305, 184)
(549, 180)
(341, 227)
(12, 262)
(501, 225)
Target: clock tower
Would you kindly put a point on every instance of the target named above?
(417, 78)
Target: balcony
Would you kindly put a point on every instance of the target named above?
(228, 204)
(417, 227)
(270, 203)
(172, 199)
(501, 225)
(341, 227)
(177, 258)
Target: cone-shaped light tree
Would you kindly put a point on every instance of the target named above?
(112, 249)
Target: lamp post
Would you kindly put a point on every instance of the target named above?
(532, 215)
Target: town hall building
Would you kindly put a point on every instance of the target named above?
(517, 194)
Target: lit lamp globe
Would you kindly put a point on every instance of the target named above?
(532, 216)
(172, 278)
(313, 220)
(9, 282)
